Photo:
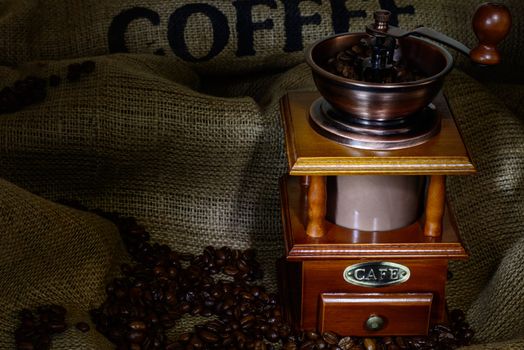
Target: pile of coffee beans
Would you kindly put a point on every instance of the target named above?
(37, 327)
(163, 285)
(32, 90)
(354, 63)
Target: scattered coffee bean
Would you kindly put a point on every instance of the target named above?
(330, 338)
(370, 344)
(37, 327)
(347, 343)
(163, 285)
(82, 327)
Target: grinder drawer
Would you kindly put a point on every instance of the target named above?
(375, 314)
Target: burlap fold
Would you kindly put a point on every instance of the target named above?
(489, 207)
(198, 169)
(196, 157)
(52, 254)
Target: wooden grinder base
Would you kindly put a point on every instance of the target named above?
(318, 297)
(313, 275)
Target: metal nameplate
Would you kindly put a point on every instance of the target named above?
(376, 274)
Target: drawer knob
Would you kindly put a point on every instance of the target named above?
(375, 323)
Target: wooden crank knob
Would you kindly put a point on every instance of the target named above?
(491, 24)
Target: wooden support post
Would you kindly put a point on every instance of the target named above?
(305, 180)
(435, 205)
(316, 211)
(304, 189)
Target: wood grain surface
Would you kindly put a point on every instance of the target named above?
(309, 153)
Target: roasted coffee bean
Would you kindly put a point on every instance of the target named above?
(307, 345)
(82, 327)
(184, 338)
(291, 345)
(37, 327)
(311, 335)
(370, 344)
(259, 345)
(284, 330)
(162, 285)
(467, 336)
(354, 63)
(25, 345)
(184, 307)
(347, 343)
(247, 321)
(174, 346)
(401, 342)
(186, 256)
(208, 336)
(345, 56)
(136, 337)
(243, 266)
(457, 316)
(57, 327)
(393, 346)
(330, 338)
(272, 335)
(321, 345)
(231, 270)
(138, 326)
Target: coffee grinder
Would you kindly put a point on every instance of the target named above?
(368, 233)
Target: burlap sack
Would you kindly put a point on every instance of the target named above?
(196, 158)
(510, 95)
(489, 207)
(52, 254)
(139, 136)
(135, 126)
(209, 35)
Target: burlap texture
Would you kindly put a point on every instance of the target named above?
(196, 158)
(138, 137)
(489, 207)
(133, 137)
(210, 34)
(511, 95)
(52, 254)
